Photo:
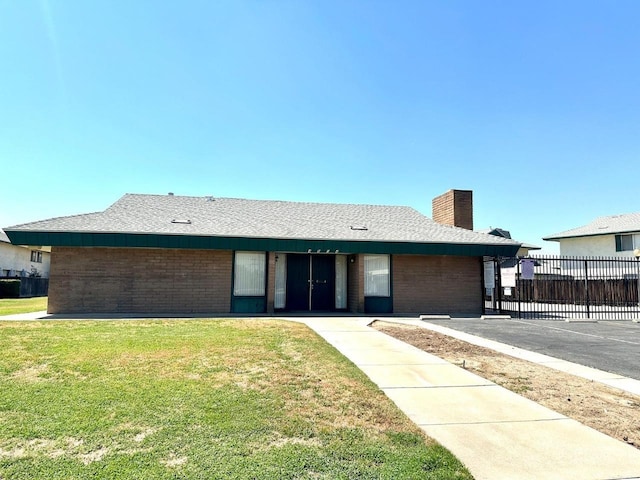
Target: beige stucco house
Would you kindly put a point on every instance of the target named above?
(20, 260)
(610, 236)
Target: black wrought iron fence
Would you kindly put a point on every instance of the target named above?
(554, 286)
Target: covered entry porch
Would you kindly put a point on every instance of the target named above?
(318, 282)
(311, 282)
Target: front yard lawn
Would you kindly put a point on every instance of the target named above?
(12, 306)
(153, 399)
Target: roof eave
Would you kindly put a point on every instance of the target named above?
(557, 238)
(145, 240)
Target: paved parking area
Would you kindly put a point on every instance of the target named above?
(612, 346)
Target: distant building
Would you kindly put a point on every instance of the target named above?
(611, 236)
(524, 249)
(22, 261)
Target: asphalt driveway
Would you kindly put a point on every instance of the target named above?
(612, 346)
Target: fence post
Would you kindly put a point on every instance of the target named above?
(519, 289)
(586, 286)
(498, 270)
(638, 274)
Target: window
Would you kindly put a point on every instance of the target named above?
(281, 281)
(36, 256)
(341, 281)
(249, 274)
(624, 243)
(376, 276)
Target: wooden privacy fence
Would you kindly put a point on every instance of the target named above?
(594, 292)
(545, 286)
(34, 287)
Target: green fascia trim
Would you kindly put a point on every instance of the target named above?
(557, 239)
(378, 304)
(142, 240)
(249, 304)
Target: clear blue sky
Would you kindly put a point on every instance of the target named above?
(535, 106)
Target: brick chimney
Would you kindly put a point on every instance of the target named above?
(454, 207)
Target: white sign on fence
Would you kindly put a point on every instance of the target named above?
(527, 268)
(508, 276)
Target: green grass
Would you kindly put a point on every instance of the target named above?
(170, 399)
(11, 306)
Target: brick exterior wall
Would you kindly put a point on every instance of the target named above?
(355, 284)
(139, 280)
(454, 207)
(437, 284)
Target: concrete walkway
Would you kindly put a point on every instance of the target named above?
(494, 432)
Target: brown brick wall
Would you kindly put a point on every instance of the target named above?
(454, 207)
(437, 284)
(139, 280)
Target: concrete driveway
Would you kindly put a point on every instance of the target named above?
(611, 346)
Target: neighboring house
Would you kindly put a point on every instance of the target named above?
(170, 254)
(20, 261)
(612, 236)
(524, 249)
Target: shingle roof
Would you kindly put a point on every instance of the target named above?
(609, 225)
(499, 232)
(233, 217)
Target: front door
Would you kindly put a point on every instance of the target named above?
(311, 282)
(323, 278)
(297, 282)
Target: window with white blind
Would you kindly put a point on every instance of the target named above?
(341, 281)
(249, 274)
(376, 276)
(281, 280)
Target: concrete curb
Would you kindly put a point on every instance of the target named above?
(620, 382)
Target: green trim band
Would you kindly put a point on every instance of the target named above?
(144, 240)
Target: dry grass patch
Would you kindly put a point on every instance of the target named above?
(31, 373)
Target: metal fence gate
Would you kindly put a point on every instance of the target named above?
(564, 287)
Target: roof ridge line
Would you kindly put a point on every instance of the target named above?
(306, 202)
